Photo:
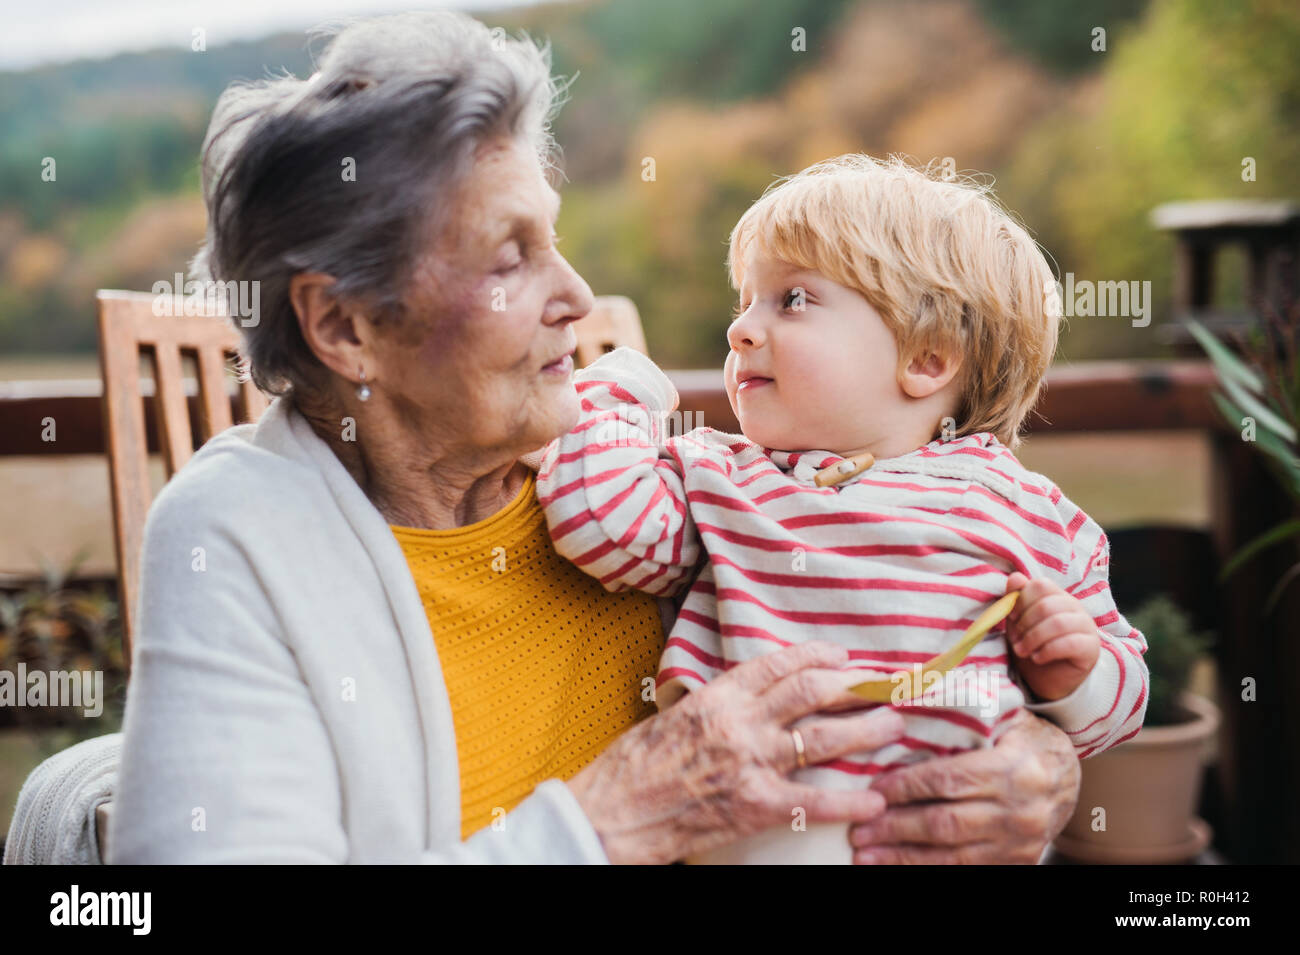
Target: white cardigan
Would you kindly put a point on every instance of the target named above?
(286, 702)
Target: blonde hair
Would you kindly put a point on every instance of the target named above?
(946, 267)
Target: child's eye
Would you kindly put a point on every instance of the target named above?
(796, 299)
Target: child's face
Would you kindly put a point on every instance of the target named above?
(812, 364)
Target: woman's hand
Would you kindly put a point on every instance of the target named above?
(715, 766)
(998, 805)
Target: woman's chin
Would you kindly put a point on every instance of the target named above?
(563, 413)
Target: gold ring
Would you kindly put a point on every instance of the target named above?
(800, 751)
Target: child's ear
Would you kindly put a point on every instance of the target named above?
(927, 373)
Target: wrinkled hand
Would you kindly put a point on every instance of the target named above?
(715, 766)
(999, 805)
(1052, 635)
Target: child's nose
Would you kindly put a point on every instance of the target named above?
(744, 332)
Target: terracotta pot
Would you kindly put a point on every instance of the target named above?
(1149, 788)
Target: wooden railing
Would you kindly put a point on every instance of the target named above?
(76, 408)
(1088, 397)
(1091, 397)
(1259, 755)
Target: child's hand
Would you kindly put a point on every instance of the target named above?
(1052, 636)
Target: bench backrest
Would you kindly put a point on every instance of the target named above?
(129, 329)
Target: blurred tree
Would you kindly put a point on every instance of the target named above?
(1196, 88)
(1083, 144)
(929, 80)
(1057, 34)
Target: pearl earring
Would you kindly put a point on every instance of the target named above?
(363, 389)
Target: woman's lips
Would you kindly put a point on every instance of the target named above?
(749, 384)
(561, 366)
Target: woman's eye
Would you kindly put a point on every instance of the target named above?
(509, 265)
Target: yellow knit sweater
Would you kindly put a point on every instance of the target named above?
(544, 667)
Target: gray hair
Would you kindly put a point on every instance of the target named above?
(408, 98)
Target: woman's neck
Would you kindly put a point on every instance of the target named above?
(440, 496)
(411, 479)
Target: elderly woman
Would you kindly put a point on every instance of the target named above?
(355, 641)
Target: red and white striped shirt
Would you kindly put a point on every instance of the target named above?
(894, 563)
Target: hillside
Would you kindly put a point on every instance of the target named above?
(1081, 142)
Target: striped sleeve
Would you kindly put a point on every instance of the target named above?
(612, 489)
(1110, 704)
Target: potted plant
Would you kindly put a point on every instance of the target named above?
(52, 626)
(1137, 801)
(1261, 396)
(1258, 528)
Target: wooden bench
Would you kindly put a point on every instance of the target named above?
(129, 330)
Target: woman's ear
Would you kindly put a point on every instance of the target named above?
(336, 335)
(928, 373)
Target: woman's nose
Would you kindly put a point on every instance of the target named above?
(574, 298)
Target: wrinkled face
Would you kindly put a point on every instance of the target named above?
(487, 364)
(812, 365)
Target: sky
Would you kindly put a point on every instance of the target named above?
(50, 31)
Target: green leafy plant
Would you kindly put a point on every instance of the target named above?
(51, 625)
(1172, 649)
(1263, 385)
